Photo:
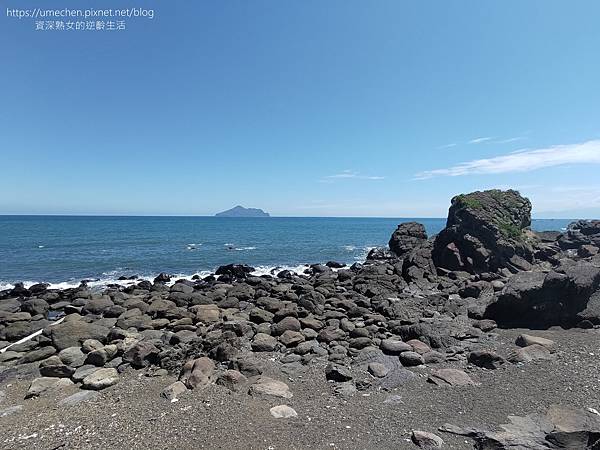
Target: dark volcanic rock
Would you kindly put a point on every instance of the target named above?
(536, 299)
(162, 278)
(380, 254)
(582, 232)
(485, 232)
(235, 270)
(141, 354)
(74, 332)
(486, 359)
(407, 236)
(562, 427)
(337, 373)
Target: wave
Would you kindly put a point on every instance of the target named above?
(274, 270)
(112, 278)
(362, 256)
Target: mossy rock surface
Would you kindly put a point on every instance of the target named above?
(484, 231)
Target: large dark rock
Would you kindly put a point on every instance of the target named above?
(485, 231)
(536, 299)
(407, 236)
(582, 232)
(380, 254)
(74, 332)
(561, 427)
(235, 270)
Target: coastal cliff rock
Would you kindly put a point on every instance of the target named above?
(580, 233)
(407, 236)
(485, 232)
(565, 296)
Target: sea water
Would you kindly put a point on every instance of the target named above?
(63, 250)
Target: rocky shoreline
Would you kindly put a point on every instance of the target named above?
(425, 309)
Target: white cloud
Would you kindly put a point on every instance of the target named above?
(523, 161)
(441, 147)
(509, 140)
(350, 174)
(480, 140)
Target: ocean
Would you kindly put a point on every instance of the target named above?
(63, 250)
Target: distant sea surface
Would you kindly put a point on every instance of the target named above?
(63, 250)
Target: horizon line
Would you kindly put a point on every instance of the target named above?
(268, 217)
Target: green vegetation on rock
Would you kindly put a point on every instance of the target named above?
(510, 230)
(468, 202)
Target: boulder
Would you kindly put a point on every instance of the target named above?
(425, 440)
(486, 359)
(174, 390)
(485, 232)
(283, 412)
(102, 355)
(44, 384)
(98, 305)
(524, 340)
(286, 324)
(378, 370)
(291, 338)
(15, 331)
(101, 379)
(198, 373)
(239, 271)
(264, 343)
(539, 300)
(162, 278)
(74, 332)
(72, 356)
(337, 373)
(561, 427)
(579, 234)
(394, 346)
(232, 380)
(407, 236)
(380, 254)
(265, 386)
(142, 354)
(410, 359)
(534, 352)
(35, 306)
(38, 354)
(450, 377)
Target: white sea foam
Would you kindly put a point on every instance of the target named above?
(112, 278)
(349, 248)
(241, 249)
(362, 256)
(274, 270)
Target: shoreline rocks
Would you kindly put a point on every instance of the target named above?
(424, 304)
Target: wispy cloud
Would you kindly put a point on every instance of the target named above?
(523, 161)
(509, 140)
(485, 139)
(349, 174)
(441, 147)
(480, 140)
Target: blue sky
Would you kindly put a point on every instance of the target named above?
(303, 108)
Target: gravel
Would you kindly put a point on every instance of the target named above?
(132, 414)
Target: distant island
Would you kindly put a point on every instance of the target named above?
(240, 211)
